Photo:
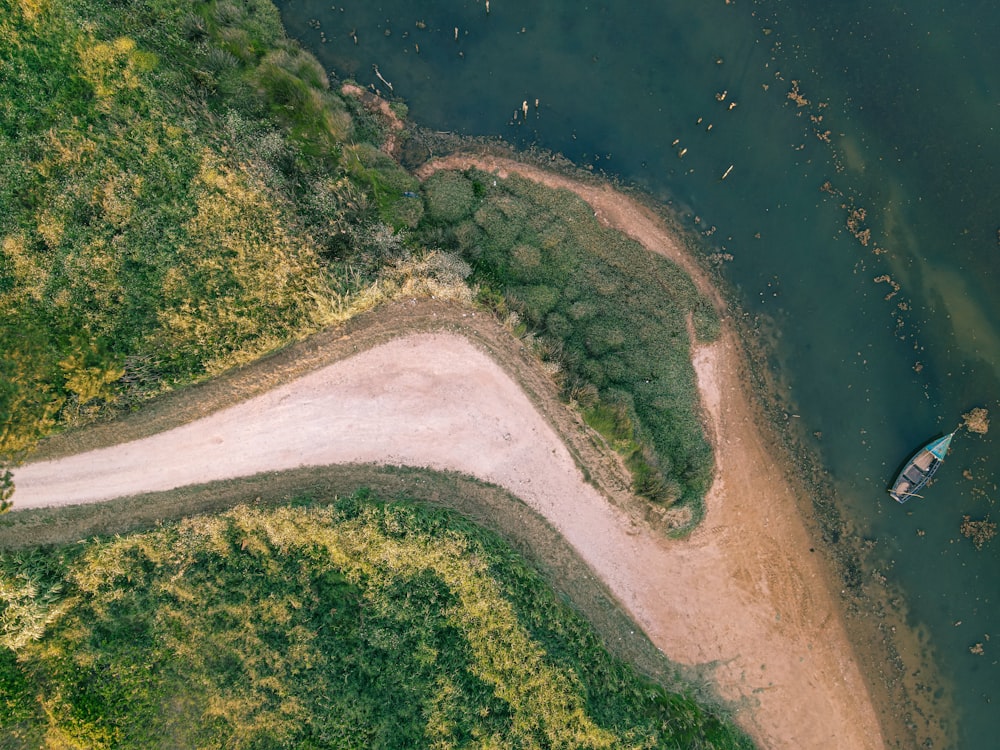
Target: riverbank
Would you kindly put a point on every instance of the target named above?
(874, 631)
(753, 544)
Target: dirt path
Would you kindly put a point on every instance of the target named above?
(743, 596)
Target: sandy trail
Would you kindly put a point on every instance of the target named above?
(743, 595)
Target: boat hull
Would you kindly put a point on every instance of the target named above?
(919, 469)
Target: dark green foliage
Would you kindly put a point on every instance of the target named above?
(22, 716)
(351, 625)
(615, 314)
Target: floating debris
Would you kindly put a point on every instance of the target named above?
(977, 421)
(887, 279)
(855, 219)
(979, 532)
(796, 96)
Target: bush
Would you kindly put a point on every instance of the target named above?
(618, 313)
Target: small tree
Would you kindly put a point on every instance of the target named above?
(6, 490)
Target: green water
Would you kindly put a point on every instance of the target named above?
(910, 97)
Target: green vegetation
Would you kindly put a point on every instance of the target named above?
(180, 191)
(350, 625)
(613, 316)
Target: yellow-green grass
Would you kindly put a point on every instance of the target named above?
(349, 624)
(174, 199)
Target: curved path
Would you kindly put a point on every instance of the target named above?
(742, 597)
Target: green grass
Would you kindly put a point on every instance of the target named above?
(175, 198)
(352, 625)
(611, 314)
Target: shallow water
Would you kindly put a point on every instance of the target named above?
(900, 110)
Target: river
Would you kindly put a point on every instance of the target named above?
(770, 127)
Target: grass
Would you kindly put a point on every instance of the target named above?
(354, 624)
(180, 191)
(611, 315)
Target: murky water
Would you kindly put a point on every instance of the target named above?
(888, 110)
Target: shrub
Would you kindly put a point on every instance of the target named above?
(618, 312)
(219, 60)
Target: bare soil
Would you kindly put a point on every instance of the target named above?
(745, 598)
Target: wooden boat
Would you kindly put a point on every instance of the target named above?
(919, 469)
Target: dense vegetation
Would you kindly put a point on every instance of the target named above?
(611, 315)
(179, 191)
(352, 625)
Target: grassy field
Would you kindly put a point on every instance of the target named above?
(356, 624)
(180, 191)
(611, 315)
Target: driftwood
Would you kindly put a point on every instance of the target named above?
(379, 76)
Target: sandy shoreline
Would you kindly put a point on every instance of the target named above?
(744, 597)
